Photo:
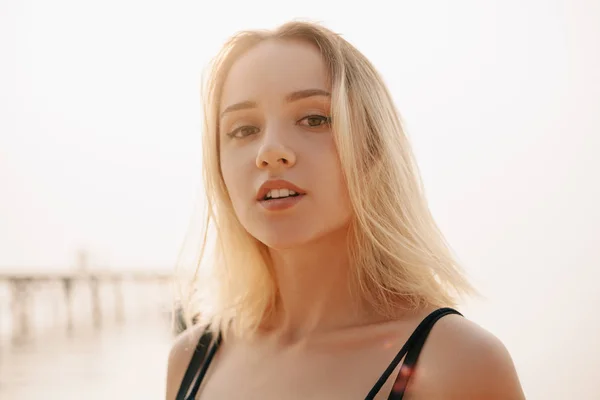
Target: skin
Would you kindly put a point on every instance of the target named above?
(320, 344)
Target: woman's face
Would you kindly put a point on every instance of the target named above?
(278, 156)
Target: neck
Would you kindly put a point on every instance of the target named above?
(315, 294)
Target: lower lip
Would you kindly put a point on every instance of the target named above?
(281, 204)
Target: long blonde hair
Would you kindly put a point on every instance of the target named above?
(400, 256)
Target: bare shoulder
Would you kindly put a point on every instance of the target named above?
(179, 357)
(461, 360)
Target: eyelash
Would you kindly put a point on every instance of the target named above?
(325, 121)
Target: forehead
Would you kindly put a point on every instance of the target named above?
(275, 68)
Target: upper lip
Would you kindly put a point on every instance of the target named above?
(276, 184)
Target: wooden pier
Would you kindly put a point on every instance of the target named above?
(22, 285)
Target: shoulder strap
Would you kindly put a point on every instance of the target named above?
(420, 333)
(195, 363)
(408, 366)
(204, 367)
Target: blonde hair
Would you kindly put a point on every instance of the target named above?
(400, 256)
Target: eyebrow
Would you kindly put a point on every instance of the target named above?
(290, 98)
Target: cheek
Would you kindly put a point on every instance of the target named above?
(334, 166)
(334, 183)
(233, 176)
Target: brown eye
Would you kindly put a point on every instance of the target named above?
(315, 121)
(242, 132)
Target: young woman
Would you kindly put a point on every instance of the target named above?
(329, 277)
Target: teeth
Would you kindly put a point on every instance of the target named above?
(279, 193)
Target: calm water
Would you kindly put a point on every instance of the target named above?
(127, 362)
(124, 360)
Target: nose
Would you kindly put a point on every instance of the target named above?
(273, 156)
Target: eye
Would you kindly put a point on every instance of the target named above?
(243, 131)
(315, 121)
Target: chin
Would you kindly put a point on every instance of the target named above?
(297, 231)
(278, 240)
(289, 238)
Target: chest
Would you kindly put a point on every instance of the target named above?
(307, 375)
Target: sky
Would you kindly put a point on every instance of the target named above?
(100, 144)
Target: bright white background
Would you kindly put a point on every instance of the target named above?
(100, 144)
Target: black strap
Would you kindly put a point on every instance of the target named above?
(204, 367)
(194, 365)
(408, 366)
(413, 346)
